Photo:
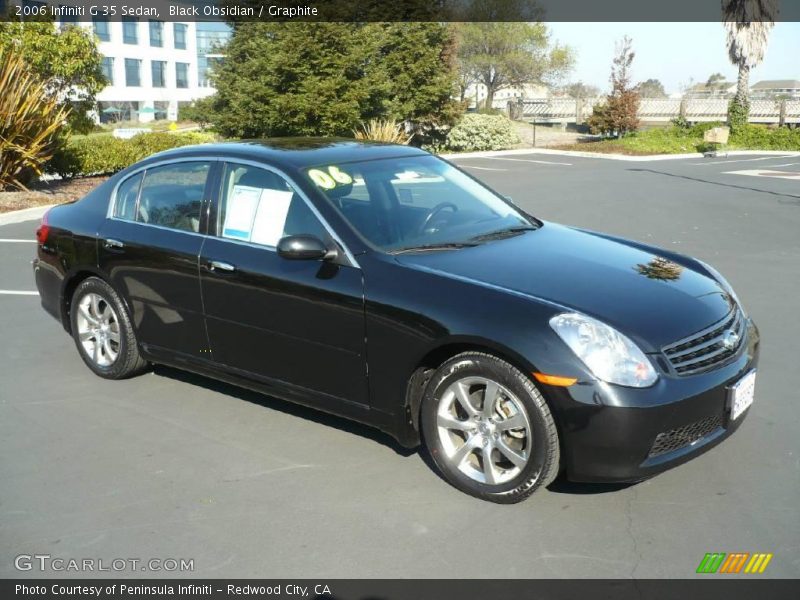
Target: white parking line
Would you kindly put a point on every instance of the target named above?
(18, 293)
(722, 162)
(482, 168)
(765, 173)
(541, 162)
(10, 241)
(785, 165)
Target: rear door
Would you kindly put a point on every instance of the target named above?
(150, 245)
(298, 322)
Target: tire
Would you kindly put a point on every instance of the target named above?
(517, 429)
(103, 332)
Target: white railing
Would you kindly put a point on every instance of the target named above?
(571, 110)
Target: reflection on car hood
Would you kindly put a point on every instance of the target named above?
(648, 297)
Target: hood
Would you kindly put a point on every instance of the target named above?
(648, 297)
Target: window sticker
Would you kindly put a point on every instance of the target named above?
(270, 218)
(330, 177)
(240, 212)
(256, 214)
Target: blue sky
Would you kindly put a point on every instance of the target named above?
(673, 52)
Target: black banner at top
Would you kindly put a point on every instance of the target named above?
(398, 10)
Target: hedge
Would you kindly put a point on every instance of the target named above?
(100, 154)
(475, 132)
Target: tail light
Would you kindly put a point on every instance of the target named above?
(43, 231)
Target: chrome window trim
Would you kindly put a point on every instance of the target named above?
(234, 160)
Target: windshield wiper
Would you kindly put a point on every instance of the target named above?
(433, 247)
(502, 233)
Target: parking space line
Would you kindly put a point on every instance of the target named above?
(482, 168)
(10, 241)
(528, 160)
(766, 173)
(722, 162)
(18, 293)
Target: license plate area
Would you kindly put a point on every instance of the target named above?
(741, 395)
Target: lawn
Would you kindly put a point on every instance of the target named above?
(680, 140)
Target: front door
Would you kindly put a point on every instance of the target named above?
(292, 322)
(150, 247)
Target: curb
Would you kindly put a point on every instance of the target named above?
(26, 214)
(624, 157)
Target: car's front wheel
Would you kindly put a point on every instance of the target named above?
(103, 332)
(488, 429)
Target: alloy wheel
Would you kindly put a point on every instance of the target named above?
(484, 430)
(98, 329)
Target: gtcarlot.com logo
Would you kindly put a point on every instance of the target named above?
(735, 562)
(46, 562)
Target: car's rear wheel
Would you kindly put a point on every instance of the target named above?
(102, 331)
(488, 429)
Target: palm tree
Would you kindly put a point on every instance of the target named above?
(748, 23)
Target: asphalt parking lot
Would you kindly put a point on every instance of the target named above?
(171, 465)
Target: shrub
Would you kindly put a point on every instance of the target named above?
(29, 122)
(476, 132)
(380, 130)
(97, 154)
(762, 137)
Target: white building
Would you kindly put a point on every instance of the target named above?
(476, 94)
(153, 67)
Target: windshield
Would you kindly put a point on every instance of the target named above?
(421, 202)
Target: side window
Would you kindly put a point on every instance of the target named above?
(172, 195)
(127, 194)
(260, 206)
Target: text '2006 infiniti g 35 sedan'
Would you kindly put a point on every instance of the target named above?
(385, 285)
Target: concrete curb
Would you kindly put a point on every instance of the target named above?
(26, 214)
(654, 157)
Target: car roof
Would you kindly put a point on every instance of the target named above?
(297, 152)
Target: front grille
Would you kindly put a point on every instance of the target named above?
(707, 349)
(681, 437)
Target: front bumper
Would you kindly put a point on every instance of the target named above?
(611, 433)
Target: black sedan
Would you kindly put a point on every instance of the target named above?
(383, 284)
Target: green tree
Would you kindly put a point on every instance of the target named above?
(652, 88)
(325, 78)
(66, 59)
(619, 114)
(747, 24)
(501, 55)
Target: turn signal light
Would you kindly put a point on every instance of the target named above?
(555, 379)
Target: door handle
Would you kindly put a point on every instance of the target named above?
(111, 243)
(218, 265)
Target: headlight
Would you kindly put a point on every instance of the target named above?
(725, 285)
(609, 355)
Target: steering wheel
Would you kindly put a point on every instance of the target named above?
(434, 212)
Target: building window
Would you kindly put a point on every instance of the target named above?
(107, 66)
(101, 29)
(161, 108)
(132, 72)
(182, 75)
(158, 69)
(130, 33)
(180, 36)
(156, 33)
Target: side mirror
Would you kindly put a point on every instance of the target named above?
(304, 247)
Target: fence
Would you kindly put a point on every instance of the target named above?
(571, 110)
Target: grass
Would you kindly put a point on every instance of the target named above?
(680, 140)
